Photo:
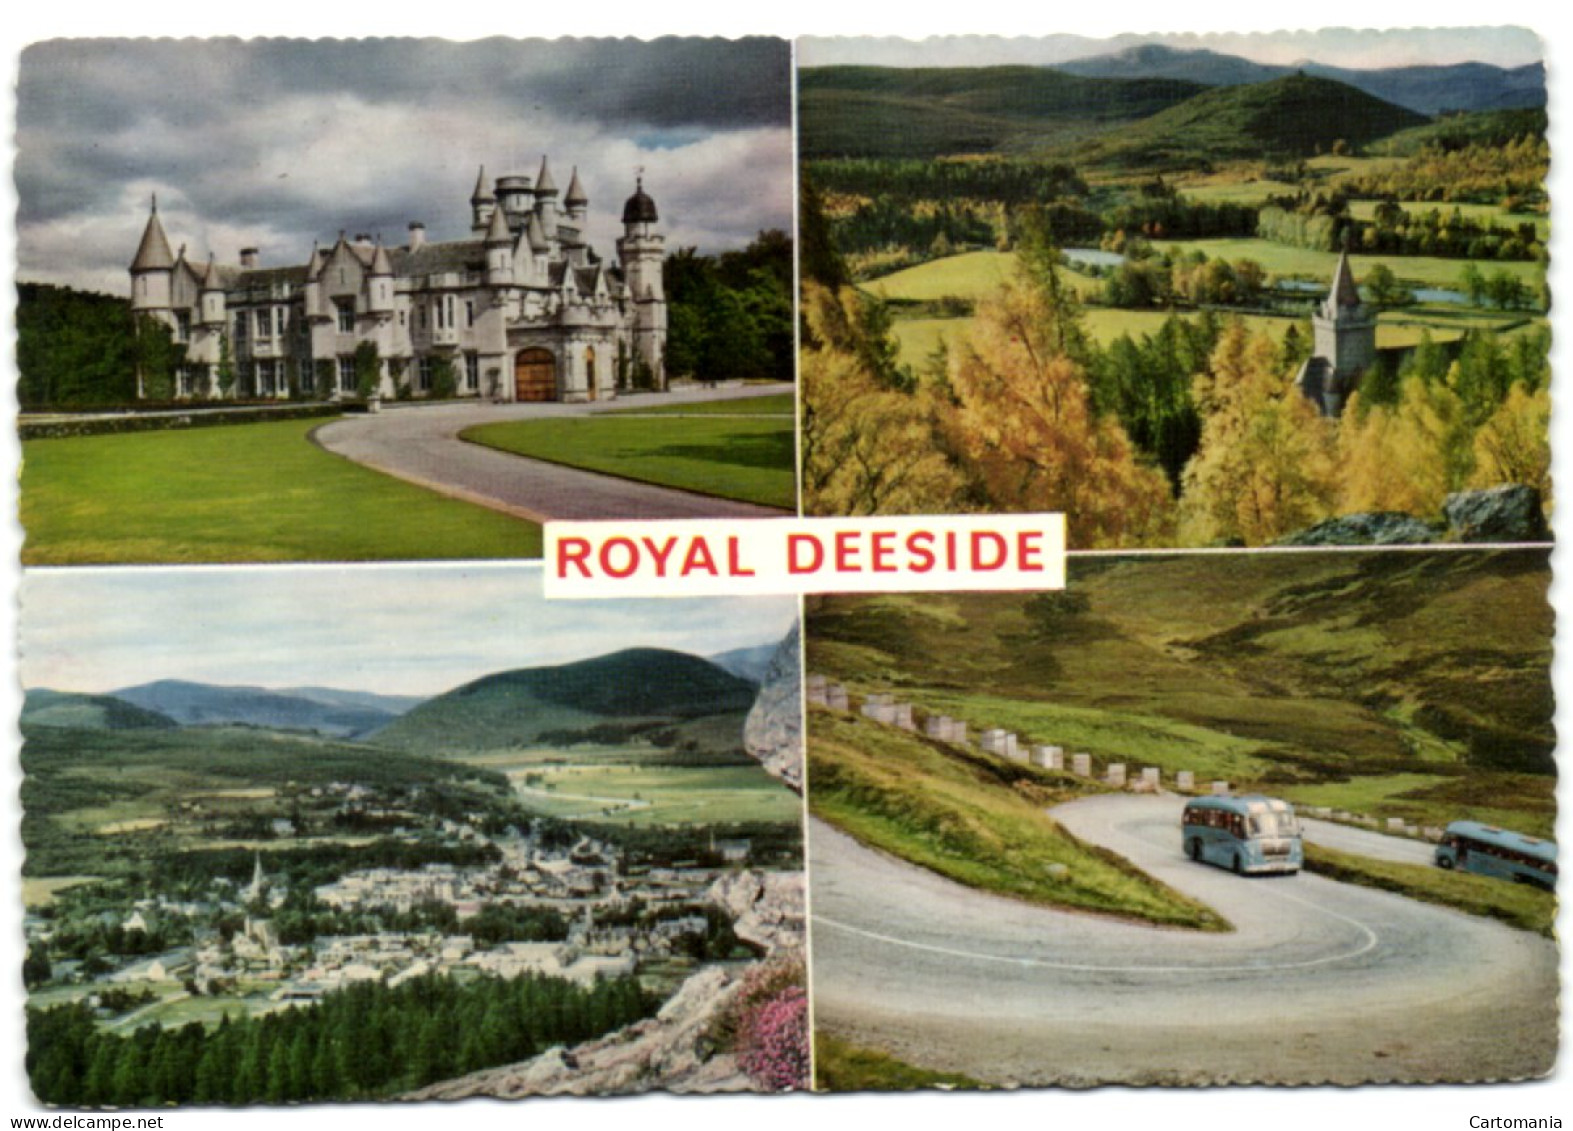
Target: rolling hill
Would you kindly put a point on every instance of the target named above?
(1291, 117)
(45, 708)
(848, 111)
(337, 713)
(1423, 89)
(517, 707)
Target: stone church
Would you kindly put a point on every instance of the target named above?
(1344, 344)
(522, 310)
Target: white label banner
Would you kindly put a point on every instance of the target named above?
(711, 557)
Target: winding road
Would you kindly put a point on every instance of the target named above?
(420, 444)
(1320, 982)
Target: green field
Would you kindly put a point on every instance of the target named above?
(780, 404)
(630, 793)
(1279, 259)
(1481, 213)
(975, 820)
(239, 493)
(971, 275)
(750, 460)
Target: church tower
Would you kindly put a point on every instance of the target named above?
(1344, 344)
(641, 250)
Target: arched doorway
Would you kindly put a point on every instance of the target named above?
(535, 375)
(589, 370)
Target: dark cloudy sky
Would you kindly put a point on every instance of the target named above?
(274, 143)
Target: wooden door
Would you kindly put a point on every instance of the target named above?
(535, 375)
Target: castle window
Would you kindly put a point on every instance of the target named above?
(265, 379)
(264, 323)
(278, 321)
(346, 374)
(182, 326)
(469, 314)
(423, 375)
(241, 321)
(422, 309)
(448, 311)
(346, 312)
(472, 371)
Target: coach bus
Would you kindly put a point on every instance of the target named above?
(1490, 851)
(1245, 834)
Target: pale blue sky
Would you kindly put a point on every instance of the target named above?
(402, 630)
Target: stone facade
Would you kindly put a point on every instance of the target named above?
(522, 310)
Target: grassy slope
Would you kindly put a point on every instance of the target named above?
(240, 493)
(1517, 904)
(840, 1066)
(973, 819)
(1395, 684)
(750, 460)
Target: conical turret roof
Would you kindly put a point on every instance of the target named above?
(576, 194)
(536, 234)
(210, 279)
(1344, 292)
(153, 253)
(482, 192)
(544, 185)
(497, 231)
(380, 263)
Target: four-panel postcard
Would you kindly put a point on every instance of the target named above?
(822, 565)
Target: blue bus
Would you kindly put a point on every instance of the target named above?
(1490, 851)
(1245, 834)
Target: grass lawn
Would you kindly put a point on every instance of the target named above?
(1277, 259)
(239, 493)
(840, 1066)
(1520, 905)
(662, 794)
(750, 460)
(976, 820)
(778, 404)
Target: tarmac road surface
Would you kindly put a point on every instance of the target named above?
(421, 445)
(1320, 982)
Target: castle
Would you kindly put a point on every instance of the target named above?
(523, 310)
(1344, 344)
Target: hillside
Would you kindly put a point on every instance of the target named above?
(1414, 684)
(341, 714)
(747, 663)
(927, 112)
(44, 708)
(517, 707)
(1295, 116)
(1423, 89)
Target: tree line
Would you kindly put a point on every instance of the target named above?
(729, 316)
(366, 1041)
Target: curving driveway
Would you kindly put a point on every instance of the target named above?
(1320, 981)
(421, 445)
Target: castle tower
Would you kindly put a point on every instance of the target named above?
(379, 299)
(1344, 343)
(641, 250)
(153, 271)
(499, 251)
(213, 311)
(546, 201)
(577, 202)
(482, 203)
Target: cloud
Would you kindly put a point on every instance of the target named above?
(277, 143)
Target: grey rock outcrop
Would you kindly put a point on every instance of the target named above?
(1384, 528)
(766, 908)
(774, 730)
(1509, 513)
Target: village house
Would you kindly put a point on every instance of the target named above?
(524, 309)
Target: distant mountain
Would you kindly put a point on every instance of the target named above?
(1423, 89)
(931, 111)
(335, 697)
(335, 713)
(1295, 116)
(515, 707)
(747, 663)
(44, 708)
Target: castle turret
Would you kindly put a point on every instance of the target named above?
(153, 269)
(482, 202)
(379, 283)
(213, 310)
(499, 252)
(1344, 343)
(577, 202)
(642, 250)
(546, 201)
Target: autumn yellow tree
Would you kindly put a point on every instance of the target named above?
(1265, 466)
(1407, 456)
(1514, 444)
(867, 448)
(1022, 426)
